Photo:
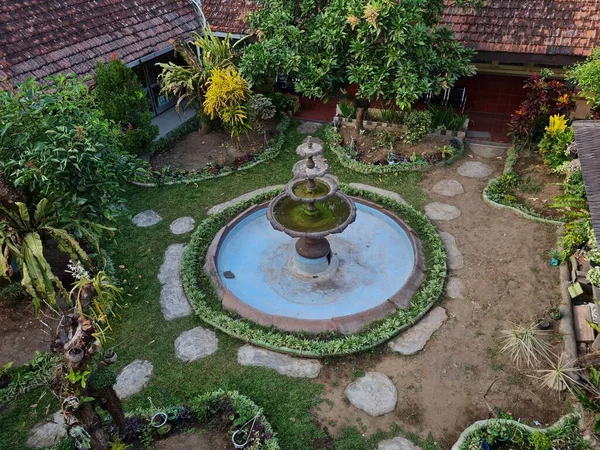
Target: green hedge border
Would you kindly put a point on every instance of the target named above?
(471, 437)
(207, 305)
(241, 404)
(333, 141)
(265, 155)
(522, 210)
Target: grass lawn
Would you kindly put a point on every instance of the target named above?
(142, 333)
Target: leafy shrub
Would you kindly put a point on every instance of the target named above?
(102, 378)
(445, 118)
(348, 109)
(285, 103)
(56, 144)
(577, 235)
(226, 98)
(262, 109)
(554, 146)
(544, 99)
(418, 125)
(392, 116)
(120, 96)
(539, 441)
(501, 189)
(386, 138)
(12, 292)
(587, 77)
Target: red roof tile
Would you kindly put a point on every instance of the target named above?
(227, 16)
(43, 37)
(547, 27)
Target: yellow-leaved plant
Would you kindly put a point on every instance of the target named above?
(557, 124)
(226, 96)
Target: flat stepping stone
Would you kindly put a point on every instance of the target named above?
(441, 211)
(475, 169)
(455, 257)
(173, 302)
(397, 443)
(307, 127)
(242, 198)
(379, 191)
(133, 378)
(455, 288)
(146, 218)
(374, 394)
(182, 225)
(48, 434)
(195, 344)
(414, 339)
(249, 355)
(488, 149)
(448, 188)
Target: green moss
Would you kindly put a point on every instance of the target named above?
(294, 215)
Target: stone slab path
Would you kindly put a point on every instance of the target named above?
(247, 196)
(133, 378)
(379, 191)
(47, 434)
(454, 287)
(397, 443)
(182, 225)
(146, 218)
(414, 339)
(448, 188)
(195, 344)
(249, 355)
(307, 127)
(455, 257)
(374, 393)
(173, 302)
(475, 169)
(441, 211)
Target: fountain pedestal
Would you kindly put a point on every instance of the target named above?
(313, 248)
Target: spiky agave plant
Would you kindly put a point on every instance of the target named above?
(562, 374)
(525, 344)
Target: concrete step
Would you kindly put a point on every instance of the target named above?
(487, 149)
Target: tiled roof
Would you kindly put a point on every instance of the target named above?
(547, 27)
(43, 37)
(228, 16)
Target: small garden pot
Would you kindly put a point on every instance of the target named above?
(158, 420)
(110, 357)
(75, 355)
(544, 325)
(164, 429)
(173, 414)
(555, 314)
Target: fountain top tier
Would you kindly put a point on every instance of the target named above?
(309, 148)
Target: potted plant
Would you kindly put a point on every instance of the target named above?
(110, 357)
(554, 313)
(163, 429)
(173, 413)
(593, 256)
(75, 355)
(158, 420)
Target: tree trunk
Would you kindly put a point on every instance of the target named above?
(90, 420)
(110, 402)
(360, 118)
(9, 194)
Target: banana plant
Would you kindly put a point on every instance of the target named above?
(21, 241)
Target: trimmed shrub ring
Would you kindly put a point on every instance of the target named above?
(471, 437)
(333, 141)
(522, 210)
(207, 304)
(196, 177)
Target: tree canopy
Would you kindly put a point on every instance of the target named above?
(394, 50)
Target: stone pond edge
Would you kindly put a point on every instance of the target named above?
(431, 290)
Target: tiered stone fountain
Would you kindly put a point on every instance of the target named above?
(310, 209)
(350, 262)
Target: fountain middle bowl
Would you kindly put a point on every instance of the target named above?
(325, 187)
(332, 215)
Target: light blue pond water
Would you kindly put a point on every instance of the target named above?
(375, 259)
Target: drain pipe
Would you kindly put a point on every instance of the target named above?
(197, 4)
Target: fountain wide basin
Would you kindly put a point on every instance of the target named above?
(377, 265)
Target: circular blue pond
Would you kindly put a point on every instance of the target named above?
(375, 255)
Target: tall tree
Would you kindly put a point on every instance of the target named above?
(395, 50)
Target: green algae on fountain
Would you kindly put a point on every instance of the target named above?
(304, 191)
(295, 216)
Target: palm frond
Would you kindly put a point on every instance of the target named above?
(525, 344)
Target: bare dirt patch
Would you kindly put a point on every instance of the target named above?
(441, 390)
(197, 440)
(216, 148)
(372, 149)
(538, 186)
(21, 333)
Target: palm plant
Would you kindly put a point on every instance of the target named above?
(201, 54)
(525, 344)
(21, 240)
(563, 374)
